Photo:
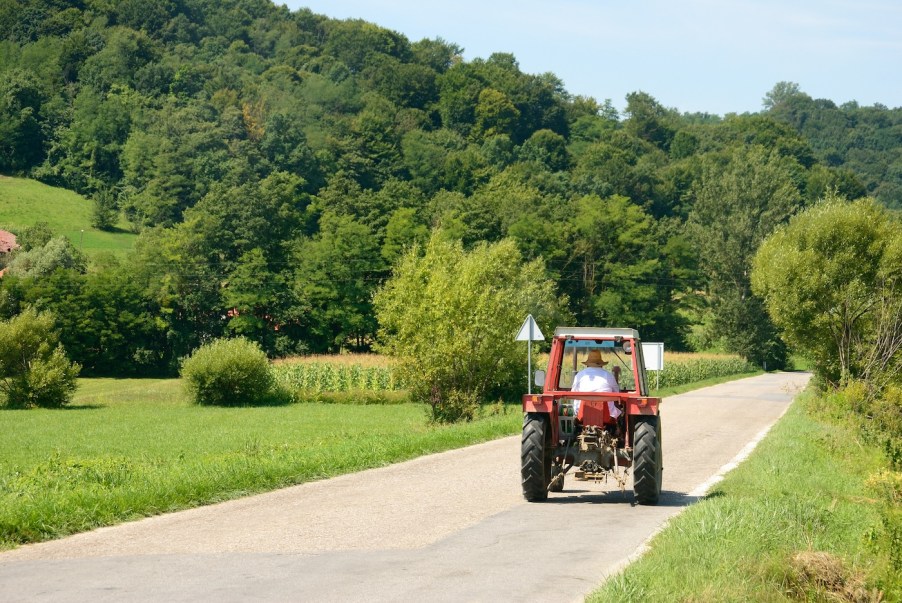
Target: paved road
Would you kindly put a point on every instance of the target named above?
(447, 527)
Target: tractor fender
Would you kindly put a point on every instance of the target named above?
(642, 406)
(537, 403)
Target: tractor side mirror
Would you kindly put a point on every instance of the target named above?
(539, 378)
(627, 347)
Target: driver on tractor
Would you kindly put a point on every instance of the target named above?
(594, 378)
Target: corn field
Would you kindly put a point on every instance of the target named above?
(689, 368)
(336, 377)
(371, 373)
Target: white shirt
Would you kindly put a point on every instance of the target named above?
(595, 379)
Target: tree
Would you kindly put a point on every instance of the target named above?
(149, 15)
(437, 54)
(450, 316)
(332, 283)
(406, 84)
(495, 114)
(105, 321)
(832, 282)
(459, 89)
(174, 163)
(42, 261)
(34, 370)
(182, 275)
(21, 139)
(614, 264)
(781, 93)
(737, 206)
(124, 52)
(35, 236)
(87, 155)
(284, 144)
(106, 210)
(546, 148)
(257, 298)
(403, 230)
(648, 120)
(356, 43)
(468, 219)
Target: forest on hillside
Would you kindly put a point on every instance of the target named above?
(277, 164)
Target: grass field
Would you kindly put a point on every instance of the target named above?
(131, 448)
(127, 448)
(796, 522)
(25, 202)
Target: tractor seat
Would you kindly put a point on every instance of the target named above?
(595, 412)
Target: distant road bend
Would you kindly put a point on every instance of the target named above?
(447, 527)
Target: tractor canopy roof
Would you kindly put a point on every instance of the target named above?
(596, 333)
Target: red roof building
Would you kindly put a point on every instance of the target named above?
(7, 241)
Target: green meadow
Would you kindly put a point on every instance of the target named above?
(24, 202)
(130, 448)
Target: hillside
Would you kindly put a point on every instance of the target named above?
(279, 163)
(25, 202)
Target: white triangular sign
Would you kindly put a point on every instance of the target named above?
(530, 331)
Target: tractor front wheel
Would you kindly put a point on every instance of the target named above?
(648, 460)
(535, 457)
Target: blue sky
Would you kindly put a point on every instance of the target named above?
(715, 56)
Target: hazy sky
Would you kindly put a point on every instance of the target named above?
(715, 56)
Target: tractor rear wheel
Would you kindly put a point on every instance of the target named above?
(535, 457)
(648, 460)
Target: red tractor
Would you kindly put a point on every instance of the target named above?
(601, 433)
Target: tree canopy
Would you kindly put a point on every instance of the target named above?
(832, 281)
(278, 164)
(449, 314)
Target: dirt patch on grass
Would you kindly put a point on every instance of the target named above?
(820, 576)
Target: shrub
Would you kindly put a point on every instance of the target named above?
(229, 372)
(449, 316)
(453, 406)
(34, 369)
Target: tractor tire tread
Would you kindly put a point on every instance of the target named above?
(646, 461)
(532, 457)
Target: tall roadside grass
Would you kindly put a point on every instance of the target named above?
(131, 448)
(800, 520)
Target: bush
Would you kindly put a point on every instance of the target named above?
(34, 369)
(229, 372)
(449, 316)
(453, 405)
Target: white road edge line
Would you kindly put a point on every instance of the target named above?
(698, 492)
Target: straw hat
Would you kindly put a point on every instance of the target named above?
(594, 359)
